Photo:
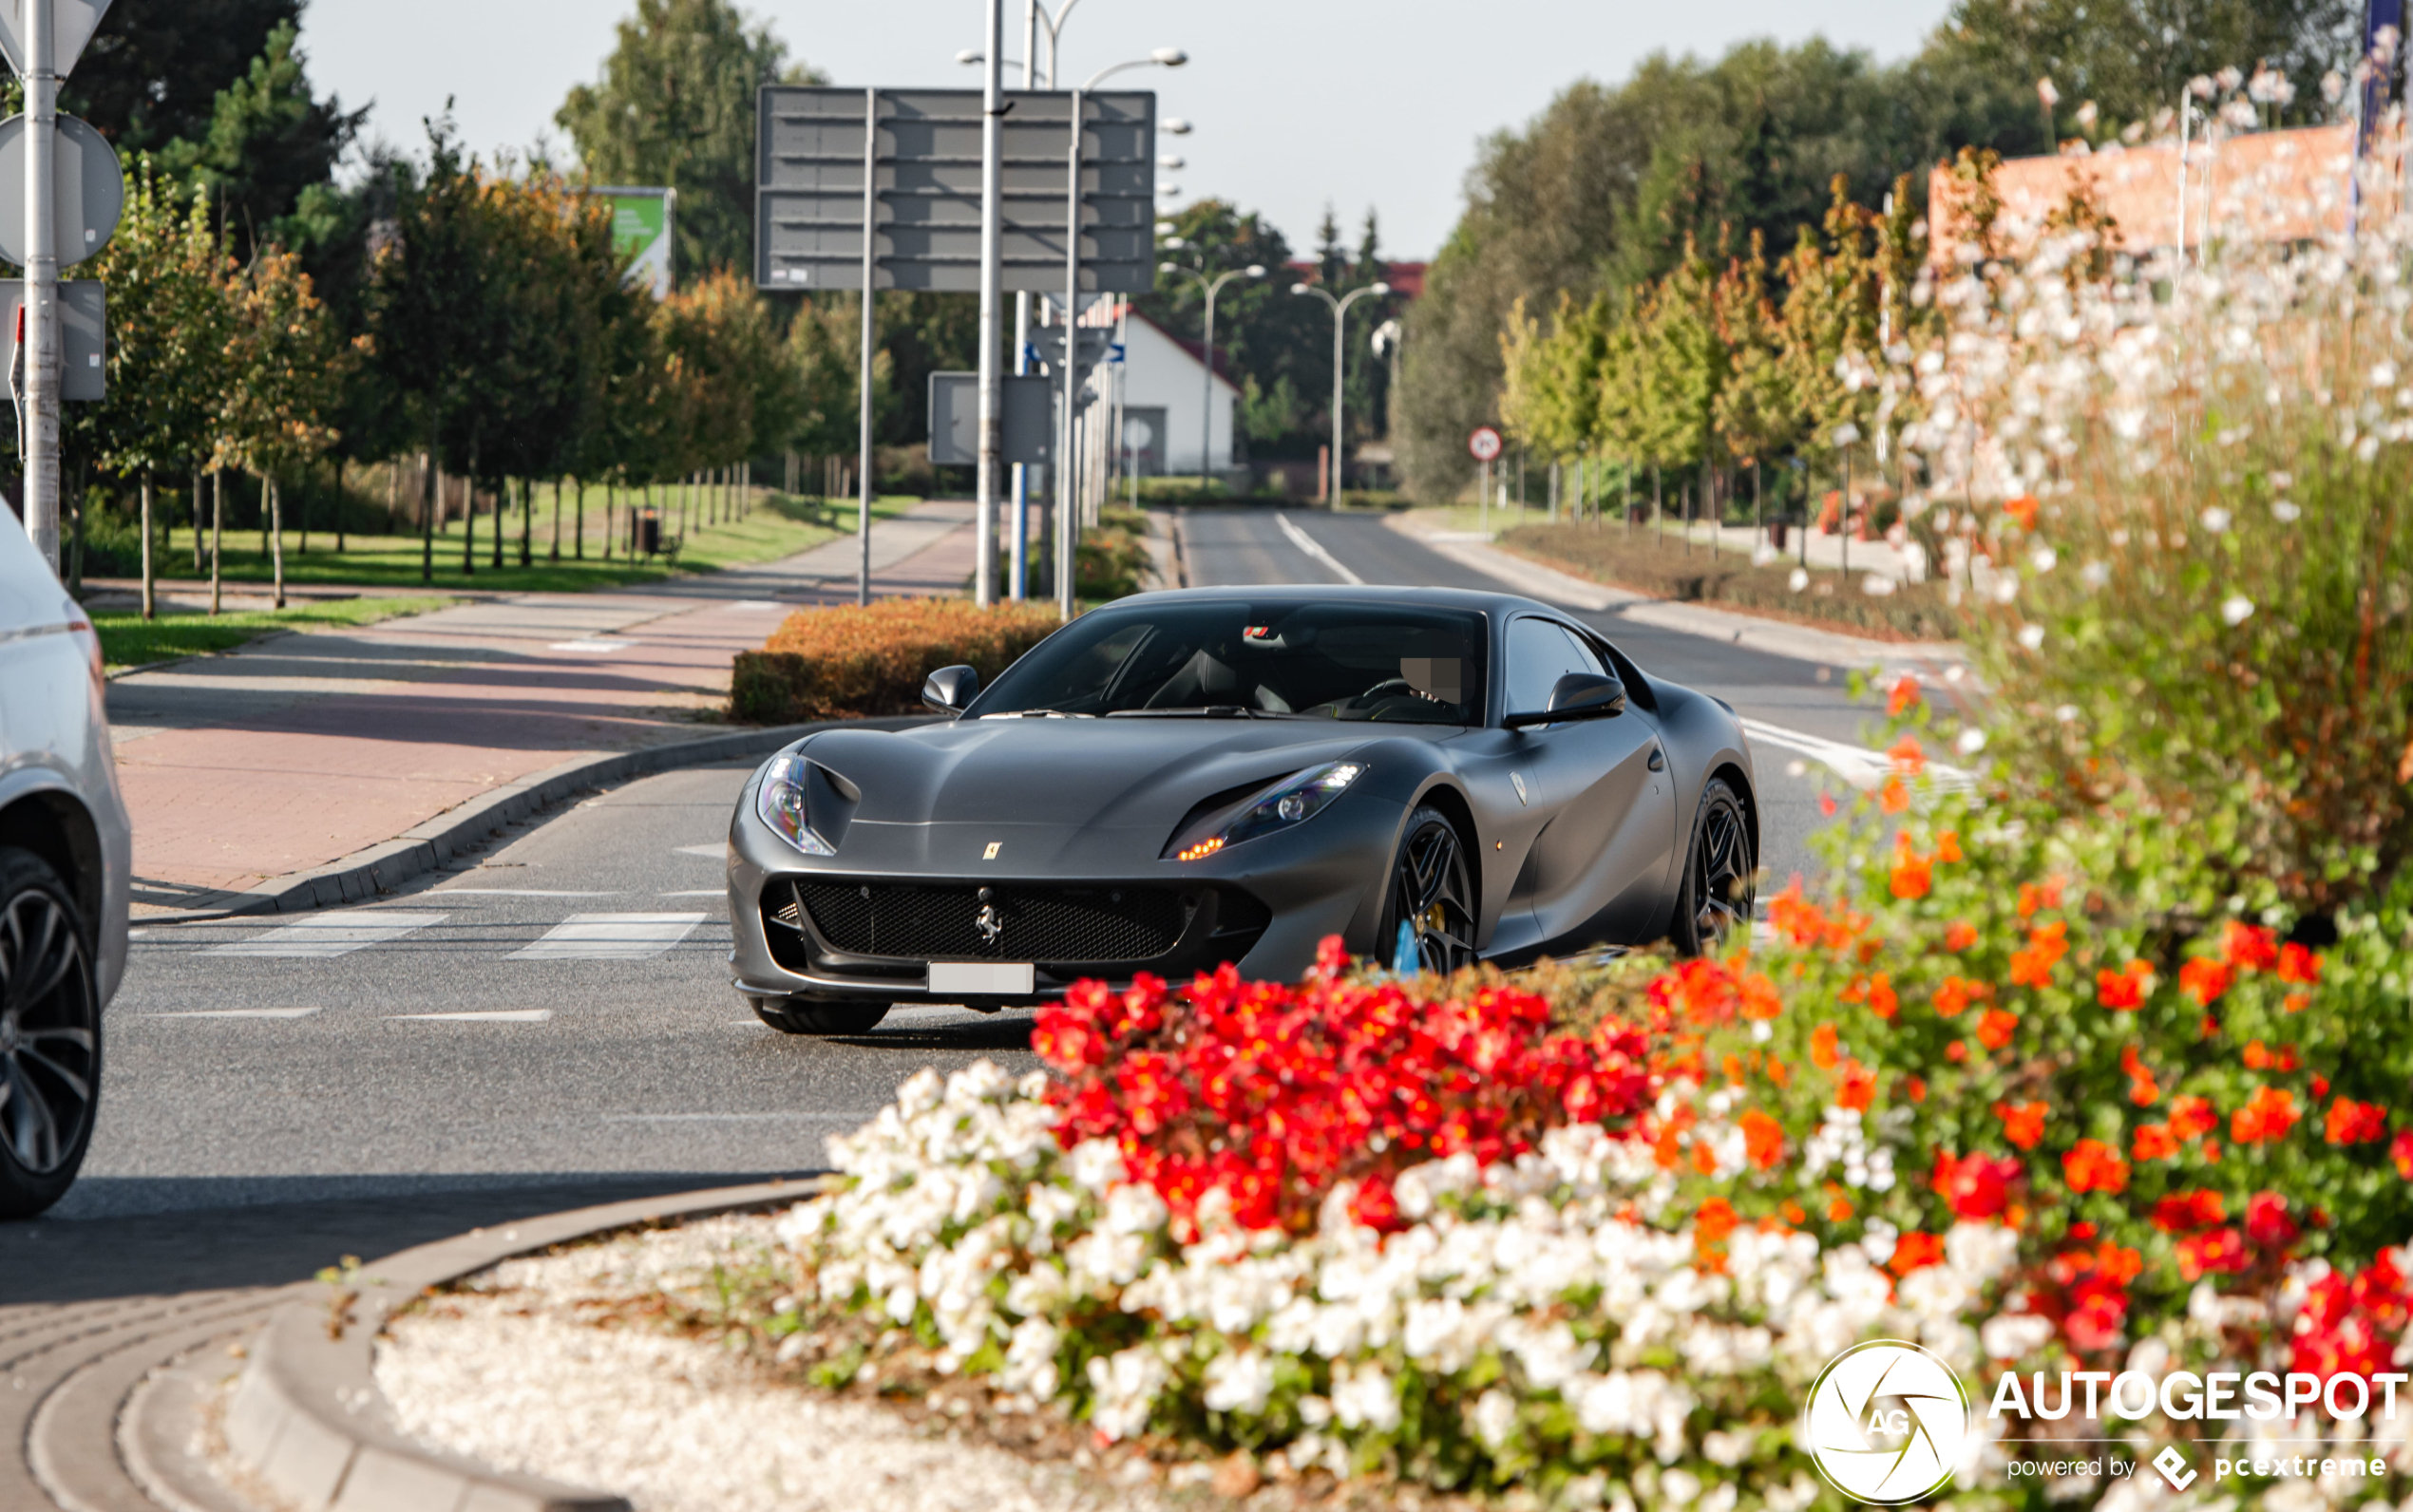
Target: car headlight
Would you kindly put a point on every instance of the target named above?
(1293, 801)
(780, 804)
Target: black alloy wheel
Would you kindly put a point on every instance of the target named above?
(50, 1036)
(1714, 903)
(796, 1015)
(1429, 909)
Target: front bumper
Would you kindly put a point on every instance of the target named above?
(1262, 906)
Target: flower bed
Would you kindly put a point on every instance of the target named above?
(854, 663)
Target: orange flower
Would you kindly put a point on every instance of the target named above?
(1909, 757)
(1916, 1251)
(1839, 1210)
(2204, 979)
(1948, 845)
(2154, 1142)
(2124, 989)
(2023, 1122)
(1994, 1028)
(2092, 1165)
(2267, 1115)
(1959, 936)
(1714, 1220)
(1822, 1050)
(2032, 897)
(1916, 1087)
(1794, 916)
(1763, 1138)
(1956, 994)
(2257, 1056)
(1760, 999)
(1893, 797)
(2299, 965)
(1903, 697)
(2021, 509)
(2191, 1116)
(2046, 945)
(1911, 876)
(1956, 1052)
(1857, 1085)
(1882, 1001)
(2141, 1089)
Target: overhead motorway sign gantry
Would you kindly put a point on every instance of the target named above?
(924, 206)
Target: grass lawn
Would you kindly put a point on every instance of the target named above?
(780, 525)
(128, 640)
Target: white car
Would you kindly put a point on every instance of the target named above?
(65, 861)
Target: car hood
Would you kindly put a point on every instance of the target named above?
(1068, 774)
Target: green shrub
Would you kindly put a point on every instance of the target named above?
(855, 663)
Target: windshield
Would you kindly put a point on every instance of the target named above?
(1352, 661)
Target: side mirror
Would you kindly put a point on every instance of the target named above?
(950, 688)
(1577, 695)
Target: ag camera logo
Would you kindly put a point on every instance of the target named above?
(1885, 1422)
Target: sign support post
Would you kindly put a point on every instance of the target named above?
(863, 381)
(40, 286)
(992, 386)
(1066, 472)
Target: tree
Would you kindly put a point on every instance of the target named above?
(151, 74)
(276, 359)
(268, 141)
(1758, 413)
(168, 327)
(675, 107)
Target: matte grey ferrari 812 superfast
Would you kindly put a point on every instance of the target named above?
(1183, 779)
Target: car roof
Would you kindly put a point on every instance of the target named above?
(1492, 606)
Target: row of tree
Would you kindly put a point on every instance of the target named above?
(1613, 188)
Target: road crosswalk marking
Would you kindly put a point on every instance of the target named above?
(320, 935)
(610, 937)
(234, 1013)
(506, 1016)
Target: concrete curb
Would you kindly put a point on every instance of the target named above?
(308, 1419)
(426, 846)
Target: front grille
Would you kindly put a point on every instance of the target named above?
(915, 921)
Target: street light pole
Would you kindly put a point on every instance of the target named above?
(1340, 327)
(992, 380)
(1206, 385)
(41, 440)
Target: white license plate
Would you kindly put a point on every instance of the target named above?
(982, 979)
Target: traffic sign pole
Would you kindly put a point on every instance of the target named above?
(992, 279)
(40, 286)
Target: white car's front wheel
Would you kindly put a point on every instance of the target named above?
(50, 1036)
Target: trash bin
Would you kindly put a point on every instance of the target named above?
(646, 532)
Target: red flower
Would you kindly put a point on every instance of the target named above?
(2256, 1055)
(2401, 1152)
(2222, 1250)
(2184, 1212)
(1959, 936)
(2353, 1123)
(2092, 1165)
(1855, 1086)
(2024, 1124)
(2191, 1116)
(2267, 1220)
(1974, 1185)
(1916, 1251)
(1912, 876)
(1955, 993)
(2124, 989)
(1822, 1046)
(2033, 967)
(2022, 510)
(2204, 979)
(2248, 947)
(2299, 965)
(1994, 1028)
(2267, 1115)
(2154, 1142)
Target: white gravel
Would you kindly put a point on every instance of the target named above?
(507, 1374)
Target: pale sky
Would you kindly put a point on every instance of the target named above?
(1295, 103)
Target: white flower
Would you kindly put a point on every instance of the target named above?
(1239, 1382)
(1364, 1397)
(2095, 573)
(1970, 741)
(2014, 1335)
(1494, 1417)
(1679, 1487)
(2285, 511)
(2216, 519)
(2237, 609)
(2066, 714)
(1876, 585)
(2043, 559)
(1798, 580)
(2031, 637)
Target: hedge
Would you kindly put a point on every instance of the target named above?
(855, 663)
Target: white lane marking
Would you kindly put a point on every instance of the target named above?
(592, 647)
(715, 852)
(610, 937)
(1858, 764)
(325, 934)
(734, 1118)
(1309, 545)
(696, 892)
(507, 1015)
(757, 604)
(519, 892)
(233, 1012)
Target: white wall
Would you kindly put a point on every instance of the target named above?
(1159, 373)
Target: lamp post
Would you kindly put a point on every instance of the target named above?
(1067, 516)
(1340, 325)
(1206, 385)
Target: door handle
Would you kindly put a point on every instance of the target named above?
(1658, 760)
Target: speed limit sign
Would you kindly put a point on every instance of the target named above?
(1484, 444)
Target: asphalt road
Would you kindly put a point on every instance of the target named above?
(554, 1025)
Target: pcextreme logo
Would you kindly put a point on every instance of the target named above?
(1885, 1422)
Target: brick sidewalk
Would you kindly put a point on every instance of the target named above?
(314, 746)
